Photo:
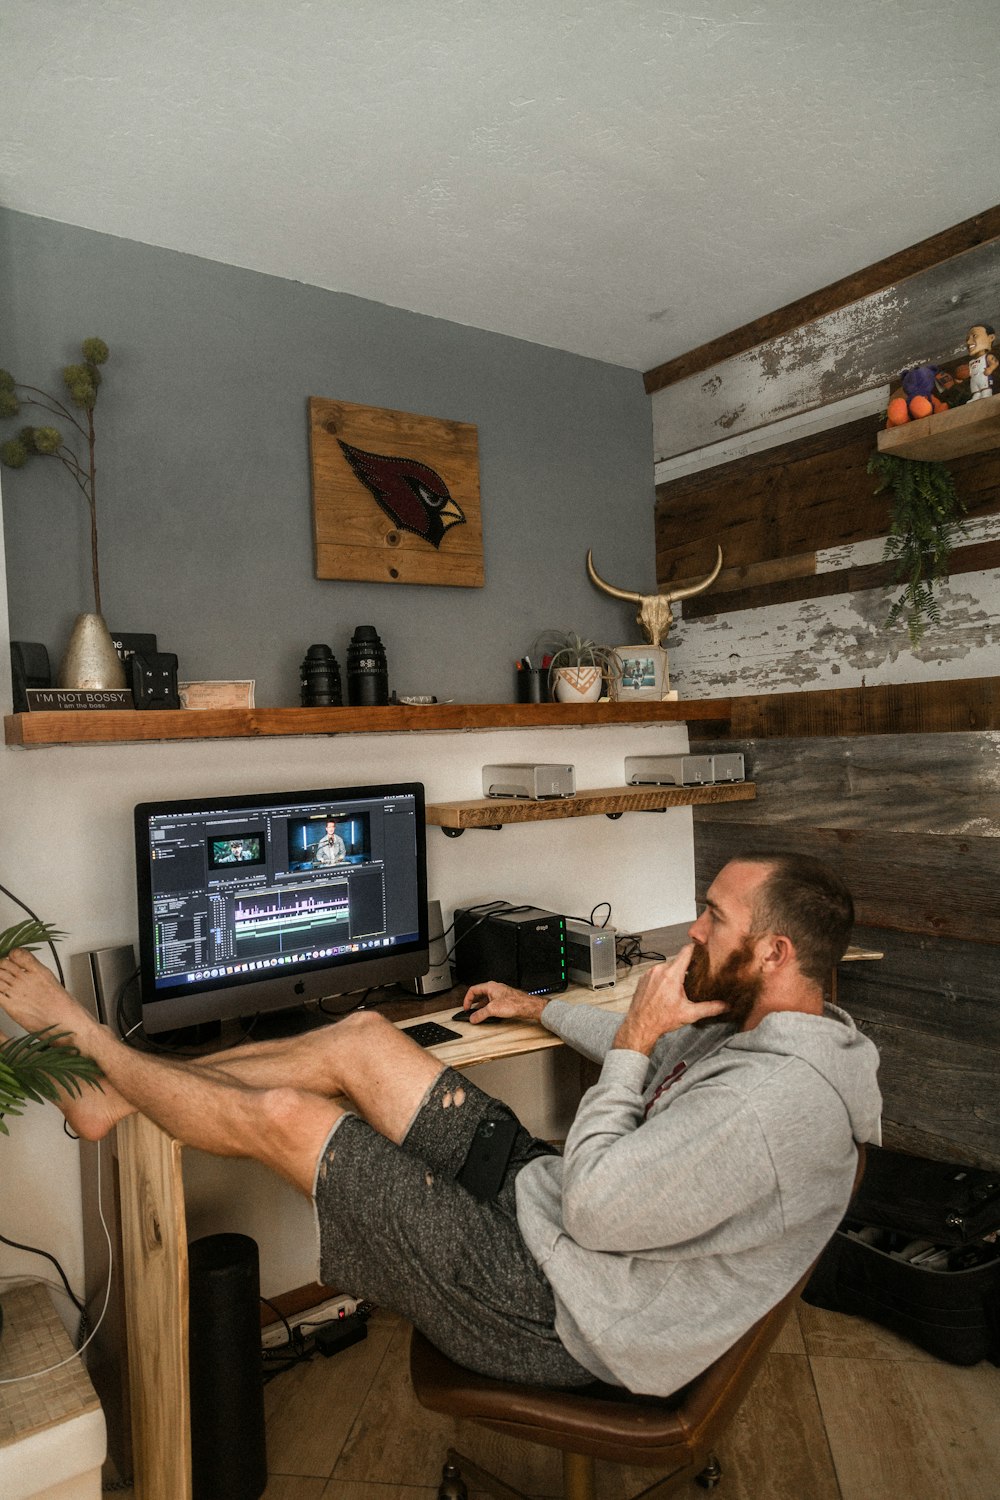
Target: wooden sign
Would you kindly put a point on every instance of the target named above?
(395, 496)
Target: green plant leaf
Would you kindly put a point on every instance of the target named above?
(37, 1066)
(29, 934)
(924, 525)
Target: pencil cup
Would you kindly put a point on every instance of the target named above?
(532, 685)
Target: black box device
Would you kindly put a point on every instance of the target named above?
(520, 945)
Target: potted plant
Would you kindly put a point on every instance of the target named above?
(91, 660)
(578, 668)
(36, 1066)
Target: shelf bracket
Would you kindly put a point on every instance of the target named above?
(456, 833)
(612, 817)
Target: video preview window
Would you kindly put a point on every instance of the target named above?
(321, 843)
(247, 849)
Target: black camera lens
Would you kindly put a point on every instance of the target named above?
(367, 672)
(319, 679)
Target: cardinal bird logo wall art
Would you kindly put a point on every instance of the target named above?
(395, 496)
(412, 495)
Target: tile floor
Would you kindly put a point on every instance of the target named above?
(842, 1410)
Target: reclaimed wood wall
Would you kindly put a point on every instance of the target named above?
(891, 770)
(773, 466)
(912, 823)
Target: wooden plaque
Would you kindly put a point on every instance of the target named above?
(395, 496)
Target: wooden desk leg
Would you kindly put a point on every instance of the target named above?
(154, 1240)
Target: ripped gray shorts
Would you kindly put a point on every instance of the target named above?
(396, 1228)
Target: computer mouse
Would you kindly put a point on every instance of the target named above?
(466, 1015)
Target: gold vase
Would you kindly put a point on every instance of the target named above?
(91, 660)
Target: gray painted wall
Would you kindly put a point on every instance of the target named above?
(204, 492)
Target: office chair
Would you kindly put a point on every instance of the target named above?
(676, 1433)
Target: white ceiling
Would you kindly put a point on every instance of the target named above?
(623, 179)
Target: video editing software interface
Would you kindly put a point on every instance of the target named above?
(237, 892)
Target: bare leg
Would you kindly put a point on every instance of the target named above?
(281, 1121)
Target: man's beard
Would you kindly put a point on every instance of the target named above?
(733, 983)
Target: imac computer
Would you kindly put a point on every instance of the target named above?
(259, 903)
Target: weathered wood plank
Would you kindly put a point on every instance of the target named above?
(810, 493)
(913, 783)
(906, 882)
(855, 348)
(874, 278)
(973, 559)
(937, 707)
(783, 505)
(947, 1092)
(945, 987)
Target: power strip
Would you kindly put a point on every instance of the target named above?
(327, 1312)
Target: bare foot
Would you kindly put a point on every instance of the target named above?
(33, 997)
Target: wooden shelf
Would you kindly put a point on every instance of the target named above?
(973, 428)
(103, 727)
(494, 812)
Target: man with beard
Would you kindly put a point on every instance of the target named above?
(701, 1176)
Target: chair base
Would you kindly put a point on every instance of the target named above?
(578, 1479)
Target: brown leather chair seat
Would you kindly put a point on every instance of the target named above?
(675, 1434)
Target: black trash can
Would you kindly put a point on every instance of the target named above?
(228, 1454)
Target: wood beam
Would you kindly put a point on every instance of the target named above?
(874, 278)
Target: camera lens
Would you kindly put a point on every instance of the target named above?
(319, 678)
(367, 672)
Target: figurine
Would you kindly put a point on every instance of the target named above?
(982, 363)
(917, 396)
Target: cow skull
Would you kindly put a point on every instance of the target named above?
(654, 614)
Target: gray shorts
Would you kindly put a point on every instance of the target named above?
(396, 1228)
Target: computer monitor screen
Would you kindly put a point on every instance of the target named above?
(262, 902)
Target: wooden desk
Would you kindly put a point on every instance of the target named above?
(154, 1235)
(154, 1243)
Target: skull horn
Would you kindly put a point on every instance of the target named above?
(670, 594)
(608, 588)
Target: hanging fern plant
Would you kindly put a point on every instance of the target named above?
(926, 522)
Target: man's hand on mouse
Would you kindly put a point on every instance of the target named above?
(493, 999)
(660, 1004)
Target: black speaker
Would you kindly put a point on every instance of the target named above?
(228, 1454)
(29, 665)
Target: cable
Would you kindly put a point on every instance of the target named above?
(491, 908)
(280, 1315)
(36, 918)
(34, 1250)
(629, 951)
(17, 1379)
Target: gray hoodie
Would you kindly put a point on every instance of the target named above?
(696, 1186)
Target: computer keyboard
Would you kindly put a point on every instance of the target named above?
(429, 1033)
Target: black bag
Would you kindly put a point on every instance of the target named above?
(914, 1255)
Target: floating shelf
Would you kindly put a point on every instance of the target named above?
(973, 428)
(107, 726)
(495, 812)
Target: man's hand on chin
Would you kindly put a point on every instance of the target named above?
(660, 1005)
